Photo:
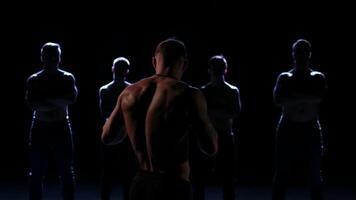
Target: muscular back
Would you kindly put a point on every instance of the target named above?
(156, 113)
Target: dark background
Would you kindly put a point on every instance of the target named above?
(255, 38)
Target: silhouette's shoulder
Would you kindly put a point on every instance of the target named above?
(206, 86)
(192, 88)
(194, 92)
(66, 74)
(34, 76)
(286, 74)
(127, 83)
(105, 87)
(232, 87)
(317, 74)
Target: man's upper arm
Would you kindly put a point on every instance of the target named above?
(103, 93)
(321, 84)
(114, 127)
(73, 88)
(280, 92)
(237, 102)
(32, 92)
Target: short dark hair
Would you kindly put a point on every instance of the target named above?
(301, 47)
(218, 64)
(171, 50)
(50, 52)
(120, 66)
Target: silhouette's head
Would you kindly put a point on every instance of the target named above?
(51, 54)
(217, 65)
(120, 68)
(170, 55)
(301, 52)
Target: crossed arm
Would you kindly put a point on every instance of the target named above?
(38, 99)
(285, 96)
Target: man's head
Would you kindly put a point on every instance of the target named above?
(51, 54)
(301, 52)
(170, 55)
(217, 65)
(120, 68)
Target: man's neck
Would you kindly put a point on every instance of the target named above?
(120, 81)
(50, 69)
(169, 73)
(217, 80)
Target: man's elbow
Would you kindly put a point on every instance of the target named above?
(211, 150)
(105, 140)
(108, 138)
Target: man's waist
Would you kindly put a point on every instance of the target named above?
(161, 174)
(300, 122)
(49, 121)
(51, 117)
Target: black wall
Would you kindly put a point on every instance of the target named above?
(256, 40)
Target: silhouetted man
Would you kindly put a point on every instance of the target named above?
(49, 92)
(223, 102)
(117, 159)
(299, 93)
(156, 114)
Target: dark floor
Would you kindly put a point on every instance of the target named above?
(90, 191)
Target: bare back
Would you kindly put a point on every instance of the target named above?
(156, 114)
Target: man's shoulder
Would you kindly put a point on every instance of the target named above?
(231, 87)
(34, 76)
(66, 74)
(287, 74)
(284, 76)
(141, 84)
(135, 90)
(206, 86)
(132, 93)
(194, 92)
(105, 87)
(317, 74)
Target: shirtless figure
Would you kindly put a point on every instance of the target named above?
(299, 93)
(49, 92)
(117, 159)
(223, 102)
(156, 114)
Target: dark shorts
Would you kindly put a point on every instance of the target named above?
(152, 186)
(299, 148)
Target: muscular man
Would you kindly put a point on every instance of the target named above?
(49, 92)
(299, 93)
(156, 114)
(117, 159)
(223, 101)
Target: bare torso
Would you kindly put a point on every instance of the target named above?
(223, 103)
(300, 96)
(50, 93)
